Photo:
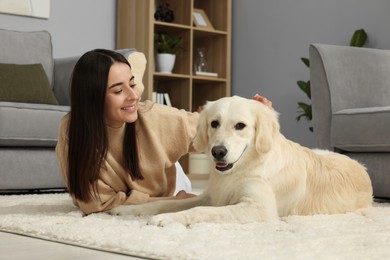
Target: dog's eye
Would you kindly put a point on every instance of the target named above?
(239, 126)
(214, 124)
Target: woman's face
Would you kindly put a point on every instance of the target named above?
(122, 96)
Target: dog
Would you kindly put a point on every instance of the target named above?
(258, 174)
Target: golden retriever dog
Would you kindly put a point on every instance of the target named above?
(259, 175)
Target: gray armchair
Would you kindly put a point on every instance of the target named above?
(350, 90)
(28, 130)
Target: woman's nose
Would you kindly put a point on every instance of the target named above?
(132, 93)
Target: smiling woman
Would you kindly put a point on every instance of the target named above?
(34, 8)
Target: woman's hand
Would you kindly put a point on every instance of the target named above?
(184, 195)
(263, 100)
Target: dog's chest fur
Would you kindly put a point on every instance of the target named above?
(224, 189)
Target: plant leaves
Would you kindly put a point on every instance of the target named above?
(359, 38)
(305, 87)
(167, 44)
(306, 61)
(305, 111)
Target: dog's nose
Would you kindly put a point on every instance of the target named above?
(219, 152)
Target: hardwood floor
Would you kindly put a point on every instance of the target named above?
(18, 247)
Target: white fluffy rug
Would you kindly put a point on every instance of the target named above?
(347, 236)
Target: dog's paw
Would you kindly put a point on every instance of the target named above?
(166, 219)
(162, 220)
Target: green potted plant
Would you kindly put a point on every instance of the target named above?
(358, 39)
(167, 47)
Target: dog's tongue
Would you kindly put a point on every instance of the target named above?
(221, 165)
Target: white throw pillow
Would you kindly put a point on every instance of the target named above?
(137, 61)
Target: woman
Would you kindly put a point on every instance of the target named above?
(113, 149)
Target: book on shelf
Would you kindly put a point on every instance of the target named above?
(161, 98)
(167, 99)
(207, 74)
(154, 96)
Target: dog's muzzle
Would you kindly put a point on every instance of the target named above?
(219, 152)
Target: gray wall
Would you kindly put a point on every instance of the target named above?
(269, 37)
(75, 26)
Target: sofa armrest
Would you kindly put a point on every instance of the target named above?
(344, 77)
(320, 96)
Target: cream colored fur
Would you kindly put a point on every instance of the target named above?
(270, 176)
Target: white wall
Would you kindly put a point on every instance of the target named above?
(270, 36)
(75, 26)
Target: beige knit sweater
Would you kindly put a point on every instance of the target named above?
(164, 135)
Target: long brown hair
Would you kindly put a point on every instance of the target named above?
(88, 141)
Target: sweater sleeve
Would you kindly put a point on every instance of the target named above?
(179, 128)
(109, 196)
(108, 199)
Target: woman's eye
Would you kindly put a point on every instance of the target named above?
(239, 126)
(214, 124)
(118, 92)
(133, 85)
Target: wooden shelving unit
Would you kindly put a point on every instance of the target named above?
(137, 28)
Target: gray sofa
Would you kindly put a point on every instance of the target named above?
(350, 90)
(28, 130)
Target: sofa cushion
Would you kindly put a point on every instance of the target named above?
(26, 125)
(27, 48)
(137, 62)
(25, 83)
(361, 129)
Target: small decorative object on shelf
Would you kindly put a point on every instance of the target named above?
(165, 62)
(207, 74)
(200, 61)
(201, 20)
(200, 65)
(164, 13)
(166, 52)
(199, 163)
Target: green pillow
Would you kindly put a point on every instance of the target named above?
(25, 83)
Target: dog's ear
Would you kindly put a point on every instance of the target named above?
(267, 126)
(201, 140)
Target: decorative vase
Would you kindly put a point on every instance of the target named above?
(199, 163)
(200, 64)
(165, 62)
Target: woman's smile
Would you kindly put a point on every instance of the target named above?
(131, 108)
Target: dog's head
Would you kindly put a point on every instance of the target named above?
(234, 129)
